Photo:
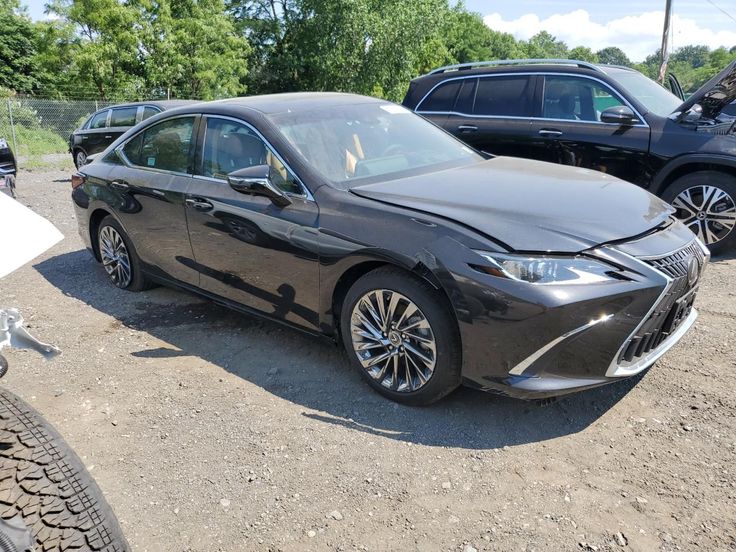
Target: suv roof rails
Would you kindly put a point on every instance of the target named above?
(473, 65)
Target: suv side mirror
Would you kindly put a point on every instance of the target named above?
(620, 115)
(256, 180)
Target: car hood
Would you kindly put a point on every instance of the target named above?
(529, 205)
(715, 94)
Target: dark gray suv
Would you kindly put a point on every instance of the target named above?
(609, 118)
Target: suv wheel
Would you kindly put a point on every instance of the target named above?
(706, 203)
(401, 337)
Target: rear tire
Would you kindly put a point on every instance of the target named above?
(44, 484)
(706, 203)
(119, 257)
(413, 354)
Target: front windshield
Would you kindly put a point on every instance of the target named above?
(350, 143)
(654, 97)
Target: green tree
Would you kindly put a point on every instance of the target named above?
(544, 45)
(582, 53)
(613, 56)
(18, 70)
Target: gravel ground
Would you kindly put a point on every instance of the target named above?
(212, 431)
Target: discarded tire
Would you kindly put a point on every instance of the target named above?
(44, 484)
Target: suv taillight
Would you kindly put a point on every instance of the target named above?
(77, 180)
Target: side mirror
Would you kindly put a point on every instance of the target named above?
(257, 181)
(620, 115)
(692, 115)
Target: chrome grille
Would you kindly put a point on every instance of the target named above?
(672, 309)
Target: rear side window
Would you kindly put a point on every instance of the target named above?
(163, 146)
(99, 120)
(149, 111)
(123, 116)
(442, 98)
(508, 96)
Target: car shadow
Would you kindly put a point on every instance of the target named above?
(314, 373)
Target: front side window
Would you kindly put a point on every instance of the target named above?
(123, 117)
(507, 96)
(230, 146)
(99, 120)
(577, 99)
(164, 146)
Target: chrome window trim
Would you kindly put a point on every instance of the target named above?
(642, 124)
(306, 195)
(130, 165)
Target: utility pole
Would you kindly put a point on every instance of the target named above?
(665, 50)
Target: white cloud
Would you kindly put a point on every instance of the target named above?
(637, 35)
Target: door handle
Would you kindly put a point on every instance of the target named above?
(108, 137)
(467, 128)
(199, 204)
(550, 133)
(120, 185)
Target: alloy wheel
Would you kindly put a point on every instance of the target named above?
(708, 211)
(393, 340)
(81, 159)
(115, 257)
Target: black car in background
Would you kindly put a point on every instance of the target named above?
(353, 218)
(105, 126)
(8, 168)
(609, 118)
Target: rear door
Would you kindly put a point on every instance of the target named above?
(568, 129)
(148, 192)
(493, 113)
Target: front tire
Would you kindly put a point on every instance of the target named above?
(80, 159)
(401, 336)
(706, 203)
(118, 256)
(45, 491)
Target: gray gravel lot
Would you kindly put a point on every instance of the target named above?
(209, 430)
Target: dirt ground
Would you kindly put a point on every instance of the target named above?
(212, 431)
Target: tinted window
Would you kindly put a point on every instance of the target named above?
(123, 117)
(99, 120)
(442, 98)
(466, 97)
(163, 146)
(577, 99)
(509, 96)
(230, 146)
(149, 111)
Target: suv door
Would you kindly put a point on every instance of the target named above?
(247, 249)
(149, 190)
(93, 137)
(568, 129)
(493, 113)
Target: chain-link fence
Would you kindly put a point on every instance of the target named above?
(38, 129)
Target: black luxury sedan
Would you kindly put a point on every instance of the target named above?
(8, 168)
(105, 126)
(609, 118)
(353, 218)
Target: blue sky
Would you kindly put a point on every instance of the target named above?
(633, 25)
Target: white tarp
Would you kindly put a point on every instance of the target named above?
(24, 235)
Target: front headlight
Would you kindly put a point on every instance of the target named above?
(548, 269)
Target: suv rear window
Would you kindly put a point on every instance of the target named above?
(442, 98)
(149, 111)
(508, 96)
(123, 116)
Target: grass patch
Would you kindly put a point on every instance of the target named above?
(33, 142)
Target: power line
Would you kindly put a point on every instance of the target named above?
(724, 12)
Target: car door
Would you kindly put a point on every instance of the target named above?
(568, 129)
(247, 249)
(95, 136)
(493, 113)
(148, 189)
(121, 119)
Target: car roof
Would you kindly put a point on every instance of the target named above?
(163, 104)
(269, 104)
